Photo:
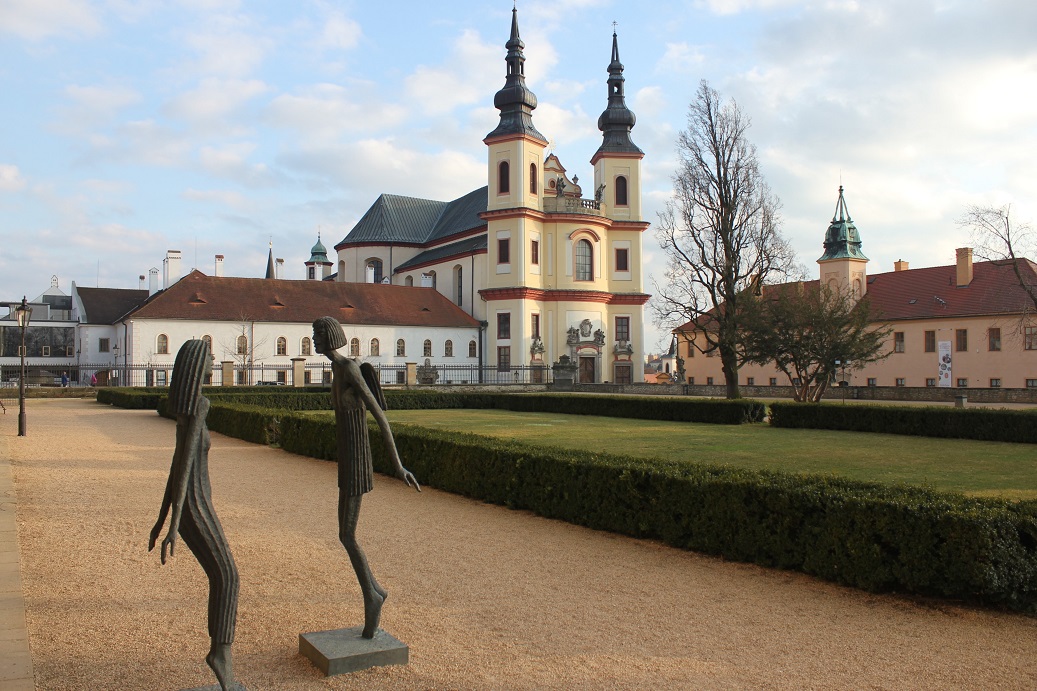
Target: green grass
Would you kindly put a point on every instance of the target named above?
(972, 467)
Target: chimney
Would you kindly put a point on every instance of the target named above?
(218, 271)
(152, 281)
(279, 269)
(170, 268)
(140, 282)
(964, 266)
(900, 265)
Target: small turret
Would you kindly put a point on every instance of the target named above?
(515, 101)
(617, 120)
(318, 267)
(842, 241)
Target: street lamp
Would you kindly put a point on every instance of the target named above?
(115, 349)
(24, 314)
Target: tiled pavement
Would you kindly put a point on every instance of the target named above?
(15, 661)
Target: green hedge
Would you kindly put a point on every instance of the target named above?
(249, 422)
(137, 399)
(985, 424)
(875, 537)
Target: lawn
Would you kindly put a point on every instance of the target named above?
(973, 467)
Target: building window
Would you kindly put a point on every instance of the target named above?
(930, 381)
(930, 341)
(993, 339)
(1031, 383)
(534, 325)
(282, 345)
(503, 251)
(584, 261)
(504, 325)
(104, 345)
(354, 347)
(409, 281)
(45, 351)
(504, 359)
(311, 272)
(621, 190)
(432, 276)
(162, 344)
(307, 346)
(534, 253)
(901, 381)
(401, 348)
(961, 337)
(374, 270)
(426, 350)
(503, 177)
(401, 377)
(622, 328)
(624, 374)
(376, 348)
(532, 178)
(622, 259)
(473, 349)
(709, 381)
(898, 341)
(872, 381)
(281, 376)
(995, 383)
(160, 377)
(459, 284)
(963, 382)
(448, 348)
(242, 345)
(750, 381)
(1030, 338)
(774, 381)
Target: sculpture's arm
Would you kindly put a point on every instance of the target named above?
(188, 450)
(167, 499)
(358, 383)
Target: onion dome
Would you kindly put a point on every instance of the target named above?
(515, 101)
(617, 120)
(842, 241)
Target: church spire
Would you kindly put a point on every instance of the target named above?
(842, 241)
(617, 120)
(270, 273)
(515, 101)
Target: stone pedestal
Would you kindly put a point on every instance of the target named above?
(345, 650)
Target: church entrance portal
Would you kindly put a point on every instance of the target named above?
(586, 369)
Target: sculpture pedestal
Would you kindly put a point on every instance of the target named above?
(345, 650)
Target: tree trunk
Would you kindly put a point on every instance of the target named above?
(730, 365)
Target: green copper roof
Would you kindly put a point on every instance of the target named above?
(318, 253)
(842, 241)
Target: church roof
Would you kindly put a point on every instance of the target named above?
(410, 220)
(219, 298)
(842, 241)
(470, 245)
(318, 253)
(515, 101)
(617, 119)
(107, 305)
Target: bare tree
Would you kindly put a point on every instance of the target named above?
(720, 232)
(243, 346)
(997, 237)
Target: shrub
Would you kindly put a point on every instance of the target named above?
(136, 399)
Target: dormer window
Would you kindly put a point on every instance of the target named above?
(503, 178)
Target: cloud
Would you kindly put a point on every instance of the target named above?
(229, 47)
(91, 107)
(464, 78)
(141, 142)
(229, 198)
(38, 19)
(11, 179)
(215, 102)
(327, 112)
(340, 33)
(681, 57)
(231, 162)
(727, 7)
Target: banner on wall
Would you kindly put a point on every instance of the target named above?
(943, 351)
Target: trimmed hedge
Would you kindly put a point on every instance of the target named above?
(984, 424)
(137, 399)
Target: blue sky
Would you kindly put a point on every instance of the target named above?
(217, 126)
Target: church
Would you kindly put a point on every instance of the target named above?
(547, 271)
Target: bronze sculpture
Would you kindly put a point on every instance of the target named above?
(189, 496)
(355, 389)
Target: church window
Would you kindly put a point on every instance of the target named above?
(409, 281)
(376, 348)
(162, 344)
(432, 279)
(354, 347)
(374, 270)
(584, 261)
(534, 252)
(532, 178)
(426, 350)
(503, 251)
(282, 345)
(534, 325)
(621, 190)
(401, 348)
(311, 272)
(307, 346)
(622, 259)
(242, 344)
(448, 349)
(622, 328)
(459, 284)
(473, 349)
(503, 178)
(104, 345)
(504, 359)
(504, 325)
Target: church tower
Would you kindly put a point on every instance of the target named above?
(617, 162)
(843, 265)
(318, 267)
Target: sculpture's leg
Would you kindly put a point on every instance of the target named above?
(374, 595)
(222, 664)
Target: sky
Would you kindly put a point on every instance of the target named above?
(221, 126)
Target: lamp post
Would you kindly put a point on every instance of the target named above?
(24, 314)
(115, 349)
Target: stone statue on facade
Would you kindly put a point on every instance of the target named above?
(188, 503)
(572, 336)
(354, 390)
(599, 337)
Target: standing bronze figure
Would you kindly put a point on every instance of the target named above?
(354, 390)
(189, 495)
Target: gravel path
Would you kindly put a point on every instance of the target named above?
(485, 597)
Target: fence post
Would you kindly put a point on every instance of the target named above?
(412, 374)
(227, 372)
(298, 371)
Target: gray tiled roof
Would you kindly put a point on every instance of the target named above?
(107, 305)
(466, 246)
(393, 218)
(460, 215)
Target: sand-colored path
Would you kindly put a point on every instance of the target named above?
(486, 598)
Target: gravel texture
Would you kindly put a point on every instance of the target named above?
(486, 598)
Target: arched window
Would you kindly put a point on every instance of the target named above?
(409, 281)
(432, 275)
(354, 347)
(427, 350)
(375, 347)
(584, 261)
(374, 271)
(473, 349)
(242, 344)
(621, 190)
(401, 348)
(162, 344)
(282, 345)
(532, 178)
(503, 178)
(307, 346)
(448, 349)
(459, 284)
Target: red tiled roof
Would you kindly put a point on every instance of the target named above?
(217, 298)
